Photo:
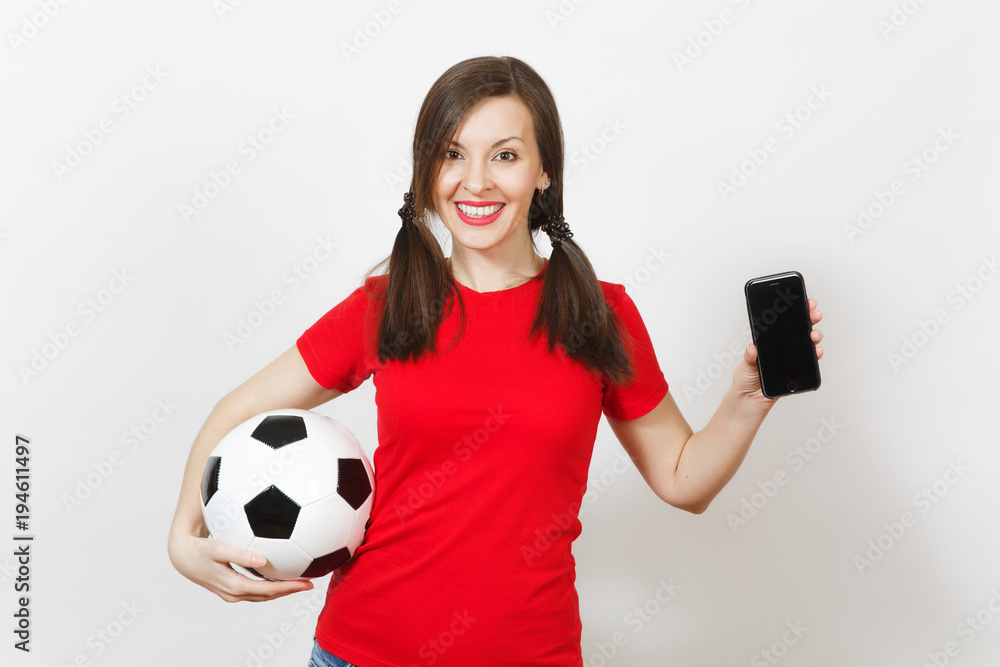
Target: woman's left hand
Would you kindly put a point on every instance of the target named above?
(746, 379)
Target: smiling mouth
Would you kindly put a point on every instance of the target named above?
(479, 211)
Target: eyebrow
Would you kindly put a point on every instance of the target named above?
(501, 141)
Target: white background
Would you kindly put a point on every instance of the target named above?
(660, 135)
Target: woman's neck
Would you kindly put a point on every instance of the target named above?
(482, 276)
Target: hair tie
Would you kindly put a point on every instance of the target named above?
(408, 212)
(557, 229)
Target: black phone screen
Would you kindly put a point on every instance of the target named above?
(779, 319)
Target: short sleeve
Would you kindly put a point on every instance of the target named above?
(649, 386)
(334, 348)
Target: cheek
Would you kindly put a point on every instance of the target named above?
(446, 185)
(524, 194)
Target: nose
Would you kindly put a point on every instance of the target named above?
(477, 178)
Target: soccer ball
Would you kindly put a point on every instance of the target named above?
(292, 485)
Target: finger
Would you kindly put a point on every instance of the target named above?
(239, 587)
(245, 597)
(260, 591)
(816, 335)
(247, 558)
(225, 553)
(819, 352)
(815, 315)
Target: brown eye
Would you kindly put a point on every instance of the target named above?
(512, 155)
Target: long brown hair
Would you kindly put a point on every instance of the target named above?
(419, 290)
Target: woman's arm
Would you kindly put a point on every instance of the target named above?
(687, 469)
(284, 383)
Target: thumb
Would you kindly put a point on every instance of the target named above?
(247, 558)
(243, 557)
(745, 376)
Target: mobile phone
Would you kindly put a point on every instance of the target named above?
(779, 320)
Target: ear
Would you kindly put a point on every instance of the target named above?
(542, 180)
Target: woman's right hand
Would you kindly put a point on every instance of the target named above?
(284, 383)
(206, 562)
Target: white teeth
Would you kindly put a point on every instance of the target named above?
(479, 211)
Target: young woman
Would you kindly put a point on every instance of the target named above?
(492, 368)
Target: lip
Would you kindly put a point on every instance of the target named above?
(478, 222)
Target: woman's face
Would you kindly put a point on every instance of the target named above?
(489, 174)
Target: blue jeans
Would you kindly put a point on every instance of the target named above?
(321, 658)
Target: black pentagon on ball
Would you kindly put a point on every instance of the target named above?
(276, 431)
(272, 514)
(210, 482)
(352, 482)
(326, 564)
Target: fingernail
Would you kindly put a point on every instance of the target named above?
(257, 560)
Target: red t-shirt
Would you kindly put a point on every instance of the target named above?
(481, 466)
